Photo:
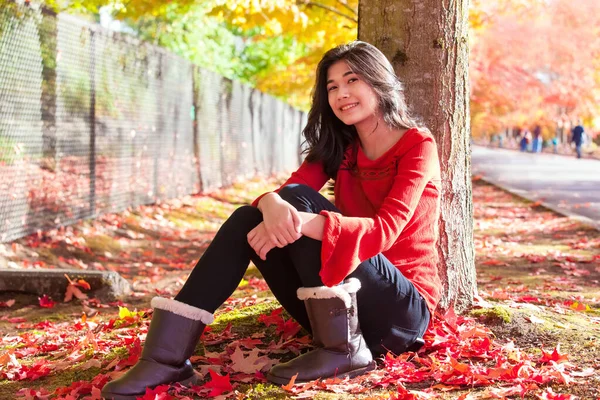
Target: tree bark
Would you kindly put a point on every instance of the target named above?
(427, 43)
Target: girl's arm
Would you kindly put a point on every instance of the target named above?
(282, 220)
(312, 225)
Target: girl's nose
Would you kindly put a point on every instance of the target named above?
(342, 93)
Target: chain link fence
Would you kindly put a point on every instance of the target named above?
(93, 121)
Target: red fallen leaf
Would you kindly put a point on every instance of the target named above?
(272, 319)
(549, 394)
(529, 299)
(404, 394)
(250, 364)
(158, 393)
(298, 389)
(15, 320)
(46, 301)
(554, 356)
(33, 394)
(534, 258)
(73, 290)
(289, 387)
(84, 284)
(7, 304)
(248, 343)
(30, 372)
(224, 335)
(450, 318)
(288, 329)
(218, 384)
(135, 351)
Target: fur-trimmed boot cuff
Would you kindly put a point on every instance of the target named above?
(182, 309)
(343, 291)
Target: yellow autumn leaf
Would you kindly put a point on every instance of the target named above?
(124, 313)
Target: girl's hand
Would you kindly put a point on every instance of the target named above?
(282, 221)
(259, 240)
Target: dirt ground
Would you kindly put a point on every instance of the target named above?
(538, 277)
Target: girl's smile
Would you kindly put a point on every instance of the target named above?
(352, 100)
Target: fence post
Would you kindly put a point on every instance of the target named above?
(160, 123)
(92, 123)
(48, 32)
(195, 130)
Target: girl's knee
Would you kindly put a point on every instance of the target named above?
(294, 191)
(246, 214)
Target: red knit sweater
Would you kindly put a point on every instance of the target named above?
(390, 205)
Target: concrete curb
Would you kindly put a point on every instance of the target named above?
(105, 285)
(522, 194)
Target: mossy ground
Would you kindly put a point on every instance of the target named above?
(517, 248)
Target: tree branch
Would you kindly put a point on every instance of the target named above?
(330, 9)
(343, 3)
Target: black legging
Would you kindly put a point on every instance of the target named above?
(391, 311)
(221, 268)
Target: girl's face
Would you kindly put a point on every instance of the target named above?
(352, 100)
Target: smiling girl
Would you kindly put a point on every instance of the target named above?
(360, 275)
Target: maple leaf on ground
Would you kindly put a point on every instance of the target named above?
(218, 384)
(73, 290)
(274, 318)
(404, 394)
(554, 356)
(158, 393)
(288, 329)
(205, 369)
(32, 394)
(135, 351)
(290, 385)
(211, 338)
(46, 301)
(248, 343)
(7, 304)
(84, 284)
(30, 372)
(250, 364)
(549, 394)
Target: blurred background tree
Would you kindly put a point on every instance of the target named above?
(532, 61)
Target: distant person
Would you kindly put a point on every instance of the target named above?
(524, 143)
(536, 146)
(577, 136)
(555, 142)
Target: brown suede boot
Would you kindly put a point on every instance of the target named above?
(341, 349)
(172, 337)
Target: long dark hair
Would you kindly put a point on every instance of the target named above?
(328, 137)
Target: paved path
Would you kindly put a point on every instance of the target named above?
(566, 184)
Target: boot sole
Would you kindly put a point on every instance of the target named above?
(350, 374)
(192, 380)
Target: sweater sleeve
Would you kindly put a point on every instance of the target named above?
(348, 241)
(310, 174)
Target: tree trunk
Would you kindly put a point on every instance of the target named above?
(427, 42)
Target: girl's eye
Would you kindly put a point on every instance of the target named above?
(331, 88)
(352, 80)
